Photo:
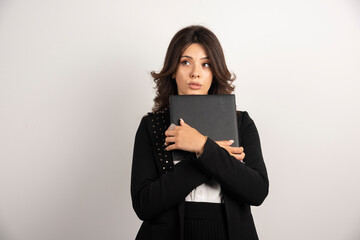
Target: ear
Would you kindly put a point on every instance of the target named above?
(173, 76)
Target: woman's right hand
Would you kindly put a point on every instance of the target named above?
(237, 152)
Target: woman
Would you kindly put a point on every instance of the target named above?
(208, 195)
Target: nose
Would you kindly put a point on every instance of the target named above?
(195, 73)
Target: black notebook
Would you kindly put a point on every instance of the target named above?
(212, 115)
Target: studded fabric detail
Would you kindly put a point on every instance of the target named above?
(158, 124)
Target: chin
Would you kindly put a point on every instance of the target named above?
(195, 93)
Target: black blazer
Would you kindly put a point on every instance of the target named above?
(158, 188)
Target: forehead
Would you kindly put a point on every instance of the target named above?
(195, 49)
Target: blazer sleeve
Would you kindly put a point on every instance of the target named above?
(153, 194)
(244, 182)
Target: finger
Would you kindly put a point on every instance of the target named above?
(172, 126)
(241, 156)
(220, 143)
(225, 142)
(182, 122)
(237, 156)
(171, 147)
(170, 133)
(169, 140)
(236, 149)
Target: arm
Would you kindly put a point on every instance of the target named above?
(245, 182)
(151, 195)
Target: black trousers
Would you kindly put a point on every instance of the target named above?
(205, 221)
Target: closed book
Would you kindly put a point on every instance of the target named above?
(212, 115)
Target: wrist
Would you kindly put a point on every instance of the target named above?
(198, 153)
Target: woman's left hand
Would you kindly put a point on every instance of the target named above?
(237, 152)
(184, 138)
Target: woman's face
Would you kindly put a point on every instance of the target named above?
(193, 75)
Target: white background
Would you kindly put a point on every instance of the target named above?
(74, 84)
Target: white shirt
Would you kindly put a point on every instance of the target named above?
(206, 192)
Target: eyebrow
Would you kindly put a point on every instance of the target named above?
(186, 56)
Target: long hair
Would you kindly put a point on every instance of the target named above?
(166, 85)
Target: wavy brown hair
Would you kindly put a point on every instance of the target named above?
(166, 85)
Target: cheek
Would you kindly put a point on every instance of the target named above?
(180, 82)
(180, 77)
(209, 78)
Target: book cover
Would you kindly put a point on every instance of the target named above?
(211, 115)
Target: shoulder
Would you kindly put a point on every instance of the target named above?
(143, 131)
(244, 116)
(143, 125)
(145, 118)
(152, 117)
(157, 113)
(149, 116)
(244, 120)
(152, 123)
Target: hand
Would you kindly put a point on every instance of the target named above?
(184, 138)
(237, 152)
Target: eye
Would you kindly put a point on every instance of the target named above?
(207, 65)
(185, 62)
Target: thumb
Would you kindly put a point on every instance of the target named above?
(182, 122)
(225, 143)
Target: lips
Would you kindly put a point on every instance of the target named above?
(194, 85)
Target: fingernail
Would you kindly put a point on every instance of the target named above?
(181, 119)
(231, 141)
